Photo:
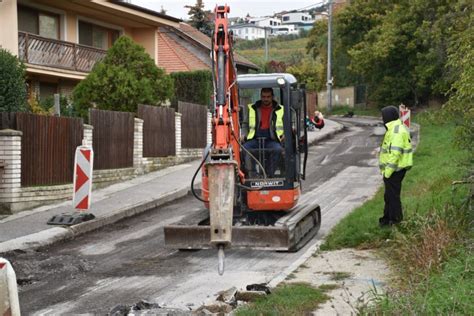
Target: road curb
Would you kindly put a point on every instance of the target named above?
(338, 129)
(53, 235)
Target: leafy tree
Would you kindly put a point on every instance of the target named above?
(460, 106)
(126, 77)
(12, 83)
(309, 72)
(199, 17)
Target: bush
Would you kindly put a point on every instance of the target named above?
(193, 86)
(12, 83)
(125, 78)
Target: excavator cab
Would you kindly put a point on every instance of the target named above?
(274, 169)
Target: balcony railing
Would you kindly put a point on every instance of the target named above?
(37, 50)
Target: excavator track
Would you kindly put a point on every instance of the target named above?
(290, 233)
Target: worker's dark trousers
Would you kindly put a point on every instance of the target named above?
(393, 206)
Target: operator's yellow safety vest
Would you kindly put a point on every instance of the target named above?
(396, 152)
(276, 121)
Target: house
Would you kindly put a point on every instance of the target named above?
(60, 41)
(184, 48)
(301, 20)
(249, 31)
(265, 21)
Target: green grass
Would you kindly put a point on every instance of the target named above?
(446, 293)
(287, 299)
(431, 252)
(288, 52)
(427, 186)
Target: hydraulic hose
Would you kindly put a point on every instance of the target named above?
(194, 178)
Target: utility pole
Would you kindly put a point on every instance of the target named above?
(329, 77)
(266, 44)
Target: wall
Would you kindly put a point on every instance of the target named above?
(340, 97)
(9, 35)
(146, 37)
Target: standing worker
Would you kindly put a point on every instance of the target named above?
(396, 157)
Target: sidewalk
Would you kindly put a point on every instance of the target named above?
(28, 229)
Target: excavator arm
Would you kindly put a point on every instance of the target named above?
(224, 162)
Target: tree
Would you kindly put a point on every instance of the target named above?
(13, 92)
(126, 77)
(199, 17)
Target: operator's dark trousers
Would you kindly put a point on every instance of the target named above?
(392, 212)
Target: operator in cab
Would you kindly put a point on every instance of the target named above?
(263, 129)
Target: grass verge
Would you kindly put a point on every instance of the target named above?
(288, 299)
(431, 252)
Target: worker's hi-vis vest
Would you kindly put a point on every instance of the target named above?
(396, 152)
(276, 121)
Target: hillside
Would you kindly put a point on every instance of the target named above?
(289, 51)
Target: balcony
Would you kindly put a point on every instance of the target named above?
(37, 50)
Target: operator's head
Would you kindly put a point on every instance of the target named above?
(266, 95)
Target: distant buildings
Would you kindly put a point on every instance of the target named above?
(252, 28)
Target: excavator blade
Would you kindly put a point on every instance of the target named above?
(290, 233)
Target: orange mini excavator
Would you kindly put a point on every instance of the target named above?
(251, 195)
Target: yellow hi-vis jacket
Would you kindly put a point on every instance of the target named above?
(276, 121)
(396, 152)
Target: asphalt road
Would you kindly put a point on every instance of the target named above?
(127, 261)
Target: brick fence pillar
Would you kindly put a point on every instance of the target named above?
(88, 135)
(138, 144)
(177, 118)
(10, 169)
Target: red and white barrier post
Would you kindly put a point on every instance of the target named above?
(404, 115)
(82, 189)
(83, 167)
(9, 303)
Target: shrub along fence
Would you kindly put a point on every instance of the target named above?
(192, 86)
(159, 131)
(194, 125)
(112, 138)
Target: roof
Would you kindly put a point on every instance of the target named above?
(238, 26)
(145, 10)
(173, 57)
(205, 41)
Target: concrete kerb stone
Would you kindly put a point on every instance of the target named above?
(53, 235)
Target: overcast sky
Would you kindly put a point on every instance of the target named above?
(238, 8)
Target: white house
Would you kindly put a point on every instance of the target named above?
(248, 31)
(265, 21)
(301, 20)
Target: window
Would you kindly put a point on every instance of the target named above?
(96, 36)
(38, 22)
(47, 89)
(286, 18)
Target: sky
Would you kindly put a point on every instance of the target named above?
(238, 8)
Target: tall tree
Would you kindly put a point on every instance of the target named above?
(199, 18)
(126, 77)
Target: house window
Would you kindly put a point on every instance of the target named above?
(96, 36)
(38, 22)
(47, 89)
(286, 18)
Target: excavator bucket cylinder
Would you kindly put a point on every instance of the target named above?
(221, 202)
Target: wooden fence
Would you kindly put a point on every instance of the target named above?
(193, 125)
(311, 102)
(112, 138)
(48, 145)
(159, 137)
(7, 120)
